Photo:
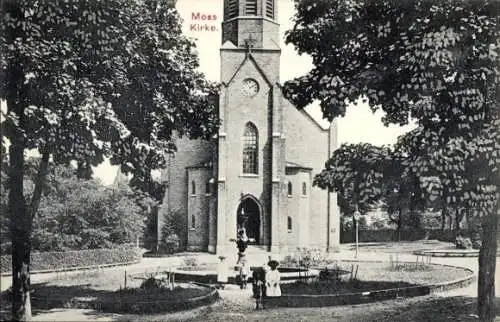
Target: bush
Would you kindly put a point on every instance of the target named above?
(74, 259)
(170, 244)
(190, 261)
(463, 243)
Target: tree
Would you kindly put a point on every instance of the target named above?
(355, 171)
(88, 80)
(433, 61)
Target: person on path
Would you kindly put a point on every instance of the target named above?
(273, 288)
(241, 244)
(259, 286)
(244, 272)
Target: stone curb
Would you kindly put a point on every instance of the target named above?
(303, 300)
(134, 304)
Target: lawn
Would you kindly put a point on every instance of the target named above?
(411, 273)
(102, 289)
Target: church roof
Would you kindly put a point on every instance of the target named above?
(250, 57)
(293, 165)
(207, 163)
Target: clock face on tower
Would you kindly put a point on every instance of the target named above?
(250, 87)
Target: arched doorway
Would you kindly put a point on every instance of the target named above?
(248, 216)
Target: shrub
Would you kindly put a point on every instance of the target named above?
(190, 261)
(304, 257)
(170, 244)
(463, 243)
(74, 259)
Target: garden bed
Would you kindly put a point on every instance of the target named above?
(107, 292)
(372, 281)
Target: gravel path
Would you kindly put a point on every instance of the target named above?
(238, 305)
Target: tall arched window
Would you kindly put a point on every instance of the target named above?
(193, 221)
(304, 188)
(289, 223)
(250, 149)
(193, 188)
(290, 188)
(207, 187)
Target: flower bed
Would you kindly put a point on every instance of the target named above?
(58, 261)
(138, 300)
(373, 281)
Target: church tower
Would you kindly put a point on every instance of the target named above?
(250, 150)
(251, 22)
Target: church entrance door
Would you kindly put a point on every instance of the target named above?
(248, 217)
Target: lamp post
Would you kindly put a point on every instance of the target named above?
(356, 218)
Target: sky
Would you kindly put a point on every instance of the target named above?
(359, 123)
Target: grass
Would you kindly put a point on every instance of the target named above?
(412, 273)
(94, 289)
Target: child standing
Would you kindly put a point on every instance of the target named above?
(244, 272)
(273, 288)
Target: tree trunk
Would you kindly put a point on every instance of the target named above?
(400, 223)
(39, 183)
(487, 266)
(458, 219)
(20, 220)
(443, 219)
(20, 231)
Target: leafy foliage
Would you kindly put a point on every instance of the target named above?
(77, 214)
(434, 61)
(88, 80)
(112, 78)
(355, 171)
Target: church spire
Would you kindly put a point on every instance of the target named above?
(256, 20)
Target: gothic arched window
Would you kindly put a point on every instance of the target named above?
(193, 187)
(250, 149)
(290, 188)
(193, 221)
(289, 223)
(304, 188)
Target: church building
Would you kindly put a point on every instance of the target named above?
(257, 172)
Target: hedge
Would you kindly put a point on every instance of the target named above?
(58, 261)
(387, 235)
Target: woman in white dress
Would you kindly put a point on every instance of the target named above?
(273, 288)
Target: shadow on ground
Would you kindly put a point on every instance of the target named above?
(427, 308)
(420, 309)
(49, 299)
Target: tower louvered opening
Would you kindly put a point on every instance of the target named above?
(270, 9)
(231, 9)
(250, 7)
